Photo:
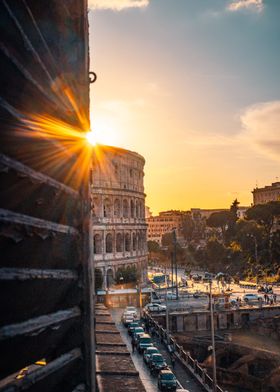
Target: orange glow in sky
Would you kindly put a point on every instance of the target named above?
(176, 85)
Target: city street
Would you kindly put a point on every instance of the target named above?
(150, 382)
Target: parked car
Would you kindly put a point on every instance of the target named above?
(143, 342)
(131, 309)
(148, 352)
(154, 307)
(251, 297)
(171, 295)
(131, 326)
(157, 363)
(127, 318)
(167, 380)
(137, 331)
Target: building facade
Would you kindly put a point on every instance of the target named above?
(267, 193)
(165, 223)
(118, 209)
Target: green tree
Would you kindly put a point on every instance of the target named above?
(264, 214)
(153, 246)
(222, 220)
(234, 209)
(188, 227)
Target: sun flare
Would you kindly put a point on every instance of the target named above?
(91, 138)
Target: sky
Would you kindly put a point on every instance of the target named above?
(194, 87)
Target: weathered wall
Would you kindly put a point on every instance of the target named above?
(45, 285)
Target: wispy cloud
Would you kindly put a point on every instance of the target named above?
(117, 5)
(254, 5)
(262, 128)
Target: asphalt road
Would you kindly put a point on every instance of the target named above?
(150, 382)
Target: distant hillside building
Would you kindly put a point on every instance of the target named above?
(267, 194)
(165, 223)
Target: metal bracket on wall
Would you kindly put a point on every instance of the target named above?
(92, 77)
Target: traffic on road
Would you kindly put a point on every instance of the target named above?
(155, 364)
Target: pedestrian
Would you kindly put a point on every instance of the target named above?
(265, 298)
(133, 344)
(271, 300)
(275, 298)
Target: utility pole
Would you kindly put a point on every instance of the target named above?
(166, 303)
(175, 260)
(172, 266)
(213, 340)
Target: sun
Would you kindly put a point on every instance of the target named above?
(91, 138)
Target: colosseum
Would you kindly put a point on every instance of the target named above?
(118, 209)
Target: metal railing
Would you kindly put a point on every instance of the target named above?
(184, 357)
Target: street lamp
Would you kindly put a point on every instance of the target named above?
(175, 260)
(213, 339)
(256, 251)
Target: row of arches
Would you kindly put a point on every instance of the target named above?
(119, 242)
(118, 207)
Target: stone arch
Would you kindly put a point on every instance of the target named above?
(137, 209)
(137, 241)
(132, 208)
(117, 208)
(142, 209)
(134, 245)
(125, 208)
(97, 244)
(96, 207)
(109, 243)
(119, 242)
(107, 208)
(109, 277)
(98, 275)
(127, 241)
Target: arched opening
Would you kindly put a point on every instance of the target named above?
(132, 208)
(107, 208)
(95, 207)
(119, 242)
(97, 244)
(98, 275)
(109, 243)
(117, 208)
(137, 208)
(125, 208)
(110, 277)
(137, 241)
(127, 242)
(134, 241)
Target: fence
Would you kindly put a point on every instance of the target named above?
(185, 358)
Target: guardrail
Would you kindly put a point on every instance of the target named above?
(184, 357)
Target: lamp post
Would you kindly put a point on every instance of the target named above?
(175, 260)
(256, 251)
(213, 339)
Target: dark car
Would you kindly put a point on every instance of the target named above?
(148, 352)
(157, 363)
(136, 332)
(131, 327)
(166, 380)
(143, 342)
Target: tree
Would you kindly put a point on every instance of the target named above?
(188, 227)
(221, 219)
(153, 246)
(264, 214)
(234, 209)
